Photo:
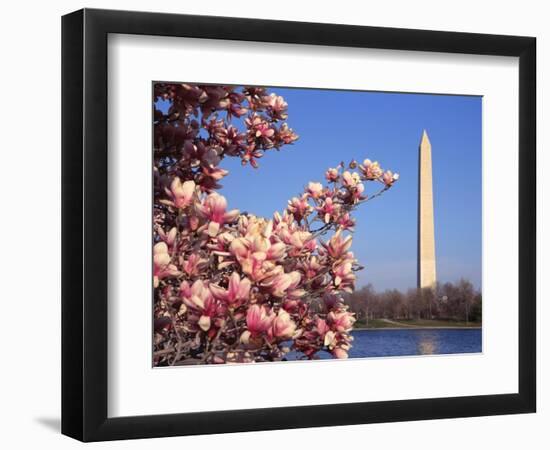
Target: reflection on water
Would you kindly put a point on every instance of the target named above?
(427, 345)
(404, 342)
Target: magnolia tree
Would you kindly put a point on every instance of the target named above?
(231, 286)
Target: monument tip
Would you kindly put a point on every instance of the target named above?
(425, 136)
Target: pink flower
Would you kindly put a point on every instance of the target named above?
(321, 327)
(216, 173)
(193, 264)
(280, 283)
(205, 322)
(213, 208)
(350, 179)
(276, 251)
(162, 266)
(338, 246)
(237, 292)
(197, 296)
(259, 128)
(283, 327)
(314, 189)
(340, 353)
(169, 237)
(299, 207)
(181, 194)
(285, 136)
(371, 170)
(328, 209)
(258, 319)
(340, 321)
(276, 106)
(389, 178)
(346, 222)
(332, 175)
(343, 275)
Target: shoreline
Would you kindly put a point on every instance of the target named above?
(416, 328)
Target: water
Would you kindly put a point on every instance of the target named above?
(403, 342)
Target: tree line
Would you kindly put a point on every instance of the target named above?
(458, 301)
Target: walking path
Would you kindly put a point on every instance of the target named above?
(393, 322)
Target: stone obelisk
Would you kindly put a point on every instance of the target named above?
(426, 238)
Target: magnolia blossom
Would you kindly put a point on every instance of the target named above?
(343, 275)
(162, 266)
(389, 178)
(332, 175)
(260, 128)
(237, 292)
(371, 170)
(181, 194)
(258, 319)
(276, 106)
(214, 209)
(337, 246)
(193, 264)
(340, 321)
(299, 207)
(283, 327)
(351, 179)
(285, 135)
(314, 189)
(280, 283)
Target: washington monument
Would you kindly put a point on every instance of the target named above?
(426, 239)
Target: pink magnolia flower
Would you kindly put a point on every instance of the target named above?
(259, 127)
(237, 292)
(314, 189)
(328, 209)
(337, 246)
(311, 267)
(181, 194)
(332, 174)
(199, 153)
(280, 283)
(170, 237)
(340, 321)
(258, 319)
(213, 208)
(299, 207)
(350, 179)
(283, 327)
(162, 266)
(371, 170)
(285, 135)
(357, 193)
(193, 265)
(216, 173)
(196, 296)
(276, 106)
(343, 275)
(330, 340)
(321, 327)
(199, 298)
(340, 353)
(346, 222)
(389, 178)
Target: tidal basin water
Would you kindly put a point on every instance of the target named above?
(405, 342)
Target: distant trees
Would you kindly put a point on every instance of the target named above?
(458, 301)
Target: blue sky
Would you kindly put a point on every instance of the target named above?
(345, 125)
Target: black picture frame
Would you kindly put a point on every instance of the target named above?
(84, 224)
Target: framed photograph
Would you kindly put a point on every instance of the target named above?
(273, 224)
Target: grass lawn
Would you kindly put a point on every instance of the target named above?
(413, 323)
